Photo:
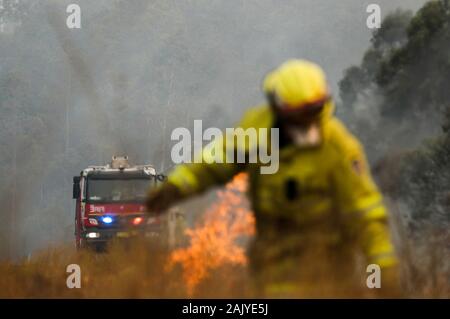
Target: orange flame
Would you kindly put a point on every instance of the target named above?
(213, 239)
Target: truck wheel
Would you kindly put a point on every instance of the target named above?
(80, 243)
(99, 247)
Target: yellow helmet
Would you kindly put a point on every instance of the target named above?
(297, 84)
(269, 82)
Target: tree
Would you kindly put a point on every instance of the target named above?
(405, 75)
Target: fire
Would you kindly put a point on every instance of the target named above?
(213, 241)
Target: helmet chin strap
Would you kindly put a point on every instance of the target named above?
(305, 136)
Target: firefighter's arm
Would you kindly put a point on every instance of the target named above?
(362, 207)
(216, 164)
(187, 180)
(194, 178)
(218, 161)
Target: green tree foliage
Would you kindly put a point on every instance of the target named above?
(405, 76)
(398, 102)
(361, 95)
(415, 77)
(391, 36)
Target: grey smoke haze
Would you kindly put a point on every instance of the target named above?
(136, 70)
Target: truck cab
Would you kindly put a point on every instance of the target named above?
(110, 202)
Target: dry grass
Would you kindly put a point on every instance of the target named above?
(133, 269)
(127, 270)
(213, 265)
(137, 269)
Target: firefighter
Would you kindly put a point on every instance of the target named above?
(318, 209)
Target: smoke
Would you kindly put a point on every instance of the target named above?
(131, 74)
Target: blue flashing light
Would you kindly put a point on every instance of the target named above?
(107, 219)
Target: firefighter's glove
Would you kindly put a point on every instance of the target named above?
(162, 197)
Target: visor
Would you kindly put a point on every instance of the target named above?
(300, 114)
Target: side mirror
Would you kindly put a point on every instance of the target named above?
(76, 187)
(161, 177)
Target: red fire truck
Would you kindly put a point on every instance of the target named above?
(110, 202)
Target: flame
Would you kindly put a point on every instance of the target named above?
(213, 240)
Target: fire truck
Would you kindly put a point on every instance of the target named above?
(110, 203)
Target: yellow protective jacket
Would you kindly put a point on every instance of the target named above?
(330, 179)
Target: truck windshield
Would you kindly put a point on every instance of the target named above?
(117, 190)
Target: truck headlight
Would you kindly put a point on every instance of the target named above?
(107, 219)
(138, 220)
